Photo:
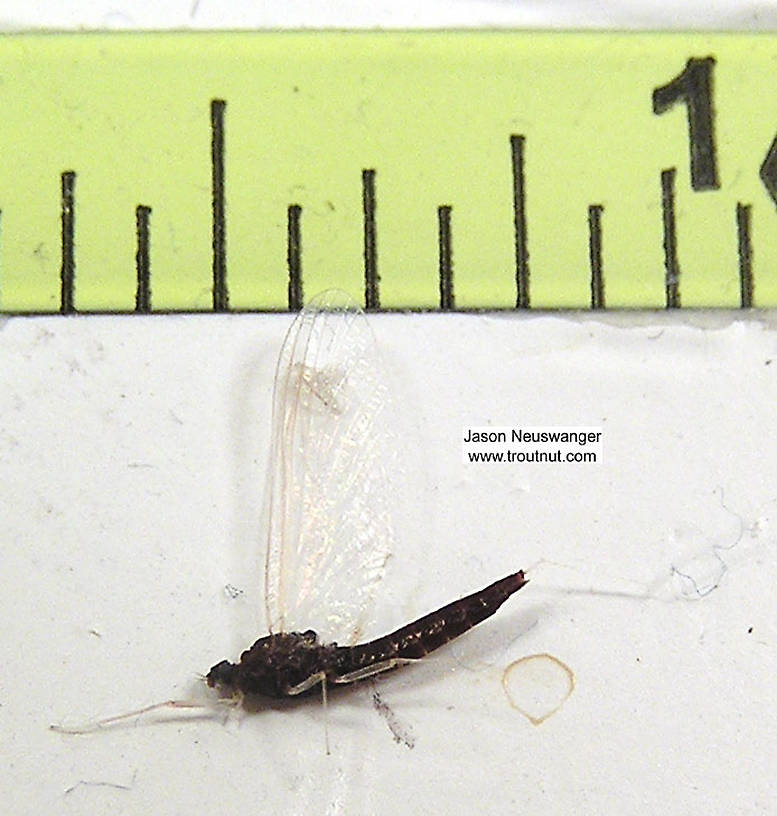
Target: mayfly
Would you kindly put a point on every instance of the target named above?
(329, 530)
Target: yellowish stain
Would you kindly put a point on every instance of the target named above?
(538, 685)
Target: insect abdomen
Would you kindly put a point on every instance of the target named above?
(428, 633)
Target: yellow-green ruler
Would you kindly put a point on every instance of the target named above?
(422, 170)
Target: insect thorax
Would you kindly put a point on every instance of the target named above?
(273, 665)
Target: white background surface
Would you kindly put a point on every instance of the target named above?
(131, 465)
(642, 14)
(132, 458)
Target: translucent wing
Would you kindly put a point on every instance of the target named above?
(329, 527)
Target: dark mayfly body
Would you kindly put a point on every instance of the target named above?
(290, 663)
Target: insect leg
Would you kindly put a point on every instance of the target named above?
(96, 726)
(374, 668)
(305, 685)
(326, 715)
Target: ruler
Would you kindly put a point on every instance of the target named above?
(163, 172)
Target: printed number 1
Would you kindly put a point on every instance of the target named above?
(694, 87)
